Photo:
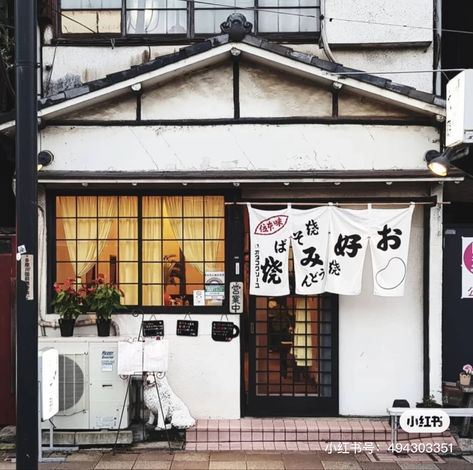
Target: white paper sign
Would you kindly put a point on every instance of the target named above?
(347, 248)
(467, 268)
(236, 297)
(269, 257)
(389, 246)
(135, 357)
(310, 235)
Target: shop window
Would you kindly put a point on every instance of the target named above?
(161, 250)
(186, 18)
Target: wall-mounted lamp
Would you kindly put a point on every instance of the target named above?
(439, 162)
(45, 158)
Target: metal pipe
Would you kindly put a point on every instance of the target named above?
(293, 203)
(323, 33)
(27, 234)
(87, 181)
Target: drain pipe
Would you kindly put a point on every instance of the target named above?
(323, 33)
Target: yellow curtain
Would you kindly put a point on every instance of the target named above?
(214, 229)
(302, 350)
(193, 246)
(128, 250)
(84, 242)
(152, 253)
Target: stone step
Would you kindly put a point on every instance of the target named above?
(297, 430)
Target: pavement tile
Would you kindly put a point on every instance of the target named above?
(84, 457)
(417, 466)
(223, 436)
(265, 465)
(47, 466)
(340, 465)
(269, 446)
(190, 465)
(235, 446)
(191, 457)
(7, 466)
(455, 464)
(379, 466)
(256, 456)
(227, 456)
(115, 465)
(130, 457)
(77, 465)
(151, 465)
(156, 455)
(216, 465)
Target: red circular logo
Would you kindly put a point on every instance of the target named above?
(468, 257)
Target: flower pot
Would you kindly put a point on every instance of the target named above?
(465, 380)
(103, 327)
(66, 325)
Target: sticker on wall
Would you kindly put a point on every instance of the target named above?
(467, 268)
(214, 287)
(270, 233)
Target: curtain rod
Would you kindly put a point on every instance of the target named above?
(267, 203)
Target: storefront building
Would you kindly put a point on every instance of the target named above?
(152, 170)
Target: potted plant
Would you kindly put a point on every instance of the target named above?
(171, 272)
(428, 402)
(465, 376)
(67, 304)
(103, 298)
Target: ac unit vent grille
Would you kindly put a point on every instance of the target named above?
(72, 368)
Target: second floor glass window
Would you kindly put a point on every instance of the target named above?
(185, 18)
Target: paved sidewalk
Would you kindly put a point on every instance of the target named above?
(250, 460)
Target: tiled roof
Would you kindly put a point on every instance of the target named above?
(217, 41)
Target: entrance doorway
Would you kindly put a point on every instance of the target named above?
(293, 356)
(291, 352)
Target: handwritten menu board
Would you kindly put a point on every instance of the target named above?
(187, 328)
(153, 328)
(224, 331)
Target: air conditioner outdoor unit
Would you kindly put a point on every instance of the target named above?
(459, 122)
(91, 394)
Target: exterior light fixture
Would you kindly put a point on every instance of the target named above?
(439, 162)
(45, 158)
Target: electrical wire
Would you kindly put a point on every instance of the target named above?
(267, 10)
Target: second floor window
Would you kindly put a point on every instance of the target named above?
(185, 18)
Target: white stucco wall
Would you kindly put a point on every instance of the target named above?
(216, 148)
(381, 355)
(377, 22)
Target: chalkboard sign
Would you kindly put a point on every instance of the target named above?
(187, 328)
(153, 328)
(224, 330)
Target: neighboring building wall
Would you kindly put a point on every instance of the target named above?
(367, 42)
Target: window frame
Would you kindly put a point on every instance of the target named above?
(158, 309)
(126, 39)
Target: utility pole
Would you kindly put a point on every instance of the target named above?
(27, 235)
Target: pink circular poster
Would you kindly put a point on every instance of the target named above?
(468, 258)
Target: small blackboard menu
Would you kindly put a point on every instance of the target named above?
(224, 330)
(187, 328)
(153, 328)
